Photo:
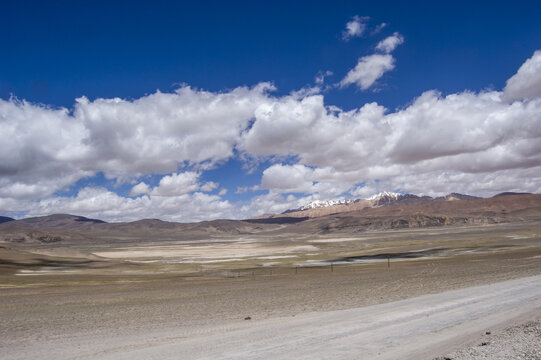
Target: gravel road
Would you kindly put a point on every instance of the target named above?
(415, 328)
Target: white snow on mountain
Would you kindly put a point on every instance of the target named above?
(385, 194)
(320, 204)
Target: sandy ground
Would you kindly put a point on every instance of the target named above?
(414, 328)
(516, 342)
(71, 310)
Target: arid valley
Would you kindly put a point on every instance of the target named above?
(79, 288)
(270, 180)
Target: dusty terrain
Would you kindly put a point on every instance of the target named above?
(86, 289)
(414, 328)
(514, 342)
(74, 300)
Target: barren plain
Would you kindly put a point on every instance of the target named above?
(76, 296)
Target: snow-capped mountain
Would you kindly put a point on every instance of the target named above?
(385, 195)
(321, 204)
(385, 198)
(389, 198)
(381, 199)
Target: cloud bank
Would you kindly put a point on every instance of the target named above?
(479, 143)
(526, 83)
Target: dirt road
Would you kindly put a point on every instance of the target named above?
(415, 328)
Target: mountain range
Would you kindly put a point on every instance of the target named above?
(321, 208)
(383, 212)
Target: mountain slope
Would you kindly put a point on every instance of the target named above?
(512, 208)
(4, 219)
(358, 216)
(323, 208)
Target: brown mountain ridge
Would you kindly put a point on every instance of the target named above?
(353, 218)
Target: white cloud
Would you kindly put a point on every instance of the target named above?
(320, 77)
(177, 184)
(209, 186)
(474, 132)
(97, 202)
(364, 191)
(43, 150)
(355, 27)
(526, 83)
(273, 203)
(439, 183)
(390, 43)
(301, 179)
(39, 147)
(293, 127)
(139, 189)
(288, 179)
(368, 69)
(378, 28)
(476, 143)
(156, 133)
(466, 142)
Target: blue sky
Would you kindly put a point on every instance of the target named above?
(189, 111)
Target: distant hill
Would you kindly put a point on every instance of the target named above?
(457, 196)
(401, 211)
(4, 219)
(436, 213)
(323, 208)
(53, 221)
(507, 193)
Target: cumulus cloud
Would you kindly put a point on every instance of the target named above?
(288, 179)
(40, 148)
(274, 203)
(442, 182)
(139, 189)
(302, 179)
(295, 127)
(368, 69)
(473, 132)
(473, 142)
(355, 28)
(177, 184)
(372, 67)
(526, 83)
(469, 142)
(44, 149)
(390, 43)
(98, 202)
(209, 186)
(155, 133)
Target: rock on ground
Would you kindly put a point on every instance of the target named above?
(517, 342)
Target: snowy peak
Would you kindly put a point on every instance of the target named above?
(385, 195)
(321, 204)
(390, 198)
(385, 198)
